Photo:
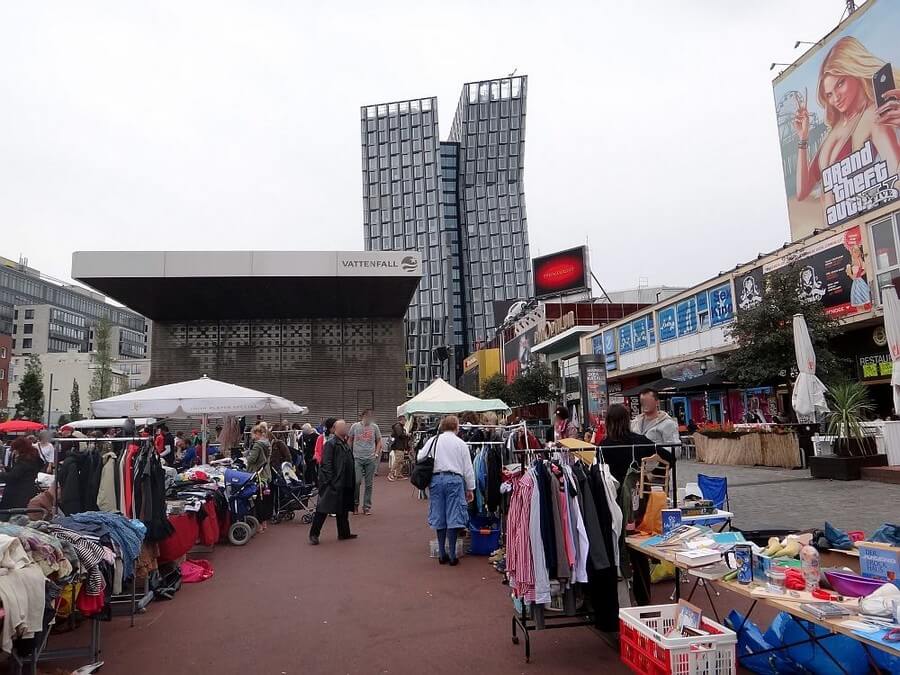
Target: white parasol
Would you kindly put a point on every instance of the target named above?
(891, 306)
(203, 398)
(808, 397)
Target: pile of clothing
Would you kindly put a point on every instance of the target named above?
(93, 553)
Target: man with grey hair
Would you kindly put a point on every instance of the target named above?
(337, 484)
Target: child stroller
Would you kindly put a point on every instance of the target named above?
(292, 495)
(241, 488)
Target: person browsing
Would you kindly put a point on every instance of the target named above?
(452, 486)
(657, 425)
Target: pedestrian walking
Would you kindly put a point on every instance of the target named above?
(400, 447)
(337, 482)
(452, 486)
(365, 441)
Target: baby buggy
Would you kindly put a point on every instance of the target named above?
(292, 495)
(241, 488)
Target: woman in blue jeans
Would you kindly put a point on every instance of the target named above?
(452, 486)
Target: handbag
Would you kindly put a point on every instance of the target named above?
(423, 470)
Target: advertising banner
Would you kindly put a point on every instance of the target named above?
(561, 273)
(831, 271)
(838, 112)
(593, 374)
(517, 354)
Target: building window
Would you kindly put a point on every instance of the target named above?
(28, 329)
(885, 243)
(26, 343)
(29, 314)
(2, 352)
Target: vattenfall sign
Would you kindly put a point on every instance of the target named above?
(386, 263)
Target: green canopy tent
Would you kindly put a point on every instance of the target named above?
(441, 398)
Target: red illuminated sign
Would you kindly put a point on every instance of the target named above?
(559, 273)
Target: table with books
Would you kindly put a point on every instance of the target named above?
(707, 560)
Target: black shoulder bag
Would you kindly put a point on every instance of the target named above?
(421, 474)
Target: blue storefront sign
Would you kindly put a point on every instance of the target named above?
(687, 317)
(667, 327)
(721, 305)
(625, 339)
(639, 334)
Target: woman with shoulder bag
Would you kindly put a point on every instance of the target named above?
(452, 486)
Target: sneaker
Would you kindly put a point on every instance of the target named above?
(349, 536)
(367, 512)
(313, 540)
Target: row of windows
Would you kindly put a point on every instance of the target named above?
(495, 90)
(401, 107)
(66, 317)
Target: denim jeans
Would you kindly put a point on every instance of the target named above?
(447, 502)
(365, 470)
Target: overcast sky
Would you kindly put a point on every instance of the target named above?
(222, 125)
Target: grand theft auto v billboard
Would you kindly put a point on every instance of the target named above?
(561, 273)
(838, 111)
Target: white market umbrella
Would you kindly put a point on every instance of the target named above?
(808, 397)
(203, 398)
(891, 306)
(442, 398)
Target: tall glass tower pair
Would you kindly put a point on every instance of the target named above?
(461, 203)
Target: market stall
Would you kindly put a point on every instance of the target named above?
(442, 398)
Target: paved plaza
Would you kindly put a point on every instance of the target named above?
(783, 498)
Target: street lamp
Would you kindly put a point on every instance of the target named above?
(50, 399)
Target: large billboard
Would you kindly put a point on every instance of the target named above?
(831, 271)
(838, 112)
(561, 273)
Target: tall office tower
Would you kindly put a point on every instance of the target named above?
(460, 204)
(490, 128)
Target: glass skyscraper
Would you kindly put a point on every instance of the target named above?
(460, 203)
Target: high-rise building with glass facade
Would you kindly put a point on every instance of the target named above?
(461, 204)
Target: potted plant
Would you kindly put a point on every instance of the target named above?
(850, 405)
(852, 449)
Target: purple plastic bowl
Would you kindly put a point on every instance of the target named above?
(852, 585)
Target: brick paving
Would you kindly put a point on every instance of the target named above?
(765, 497)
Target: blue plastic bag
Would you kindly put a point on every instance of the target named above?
(848, 652)
(838, 538)
(750, 641)
(887, 534)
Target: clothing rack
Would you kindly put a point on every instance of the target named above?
(527, 619)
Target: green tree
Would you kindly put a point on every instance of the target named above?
(31, 391)
(535, 385)
(102, 380)
(764, 335)
(75, 402)
(494, 386)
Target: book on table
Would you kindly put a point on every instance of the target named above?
(698, 557)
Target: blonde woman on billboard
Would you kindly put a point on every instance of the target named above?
(846, 93)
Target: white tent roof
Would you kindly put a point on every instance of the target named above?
(440, 397)
(194, 398)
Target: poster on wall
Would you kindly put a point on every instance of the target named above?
(639, 333)
(831, 271)
(838, 112)
(687, 316)
(517, 355)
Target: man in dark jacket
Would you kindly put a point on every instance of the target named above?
(337, 484)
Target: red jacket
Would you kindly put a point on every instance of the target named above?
(320, 446)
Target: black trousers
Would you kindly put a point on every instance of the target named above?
(343, 524)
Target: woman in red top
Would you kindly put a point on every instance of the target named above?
(159, 441)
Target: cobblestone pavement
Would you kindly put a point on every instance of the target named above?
(763, 497)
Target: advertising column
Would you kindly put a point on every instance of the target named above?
(594, 395)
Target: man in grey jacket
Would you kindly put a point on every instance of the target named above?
(655, 424)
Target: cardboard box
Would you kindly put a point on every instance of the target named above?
(879, 561)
